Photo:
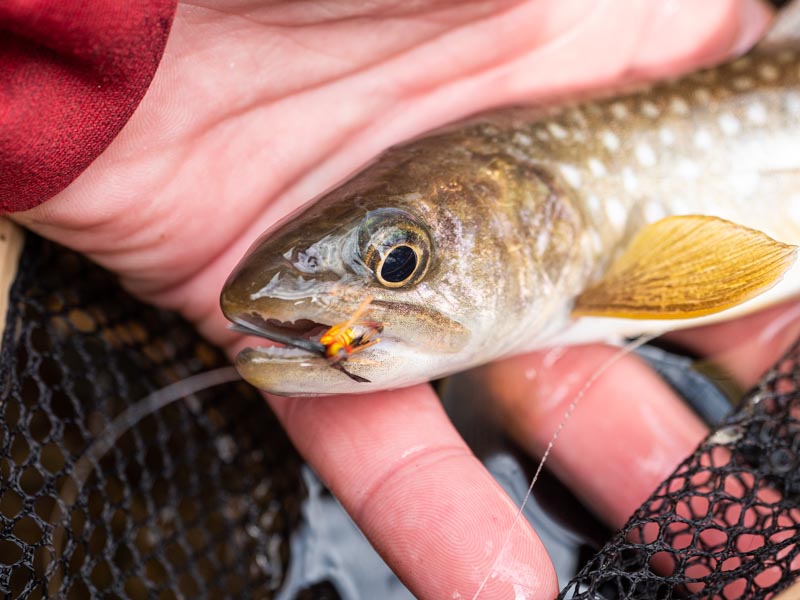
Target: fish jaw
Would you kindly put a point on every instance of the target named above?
(416, 343)
(405, 353)
(414, 347)
(291, 372)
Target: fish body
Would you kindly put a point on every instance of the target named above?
(475, 240)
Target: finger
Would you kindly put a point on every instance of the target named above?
(650, 40)
(748, 346)
(698, 33)
(627, 433)
(425, 502)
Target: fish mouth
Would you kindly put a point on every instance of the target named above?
(300, 345)
(302, 334)
(297, 363)
(435, 331)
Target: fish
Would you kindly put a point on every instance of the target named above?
(526, 227)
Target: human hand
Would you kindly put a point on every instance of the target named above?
(257, 107)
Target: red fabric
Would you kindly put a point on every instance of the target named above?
(71, 74)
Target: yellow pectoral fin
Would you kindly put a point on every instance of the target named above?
(687, 266)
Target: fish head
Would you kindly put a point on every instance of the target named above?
(370, 238)
(420, 232)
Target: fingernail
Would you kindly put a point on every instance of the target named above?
(755, 17)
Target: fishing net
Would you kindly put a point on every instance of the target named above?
(194, 500)
(198, 499)
(726, 523)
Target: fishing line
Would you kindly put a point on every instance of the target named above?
(126, 420)
(131, 416)
(626, 349)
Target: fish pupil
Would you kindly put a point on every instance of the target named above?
(399, 264)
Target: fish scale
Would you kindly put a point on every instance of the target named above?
(679, 148)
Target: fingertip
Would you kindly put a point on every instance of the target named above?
(683, 34)
(745, 347)
(755, 18)
(449, 531)
(429, 507)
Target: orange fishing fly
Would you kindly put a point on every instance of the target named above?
(345, 339)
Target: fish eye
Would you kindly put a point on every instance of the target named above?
(397, 266)
(395, 246)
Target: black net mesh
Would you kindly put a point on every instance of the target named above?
(195, 500)
(726, 523)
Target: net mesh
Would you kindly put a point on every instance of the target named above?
(195, 500)
(726, 523)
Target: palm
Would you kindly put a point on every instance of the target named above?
(259, 106)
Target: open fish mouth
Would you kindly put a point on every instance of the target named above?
(301, 345)
(301, 334)
(294, 361)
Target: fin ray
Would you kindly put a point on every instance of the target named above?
(687, 266)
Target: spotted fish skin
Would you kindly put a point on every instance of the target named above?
(524, 208)
(724, 141)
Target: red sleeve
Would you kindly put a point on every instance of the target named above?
(71, 74)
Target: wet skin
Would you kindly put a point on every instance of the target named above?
(252, 113)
